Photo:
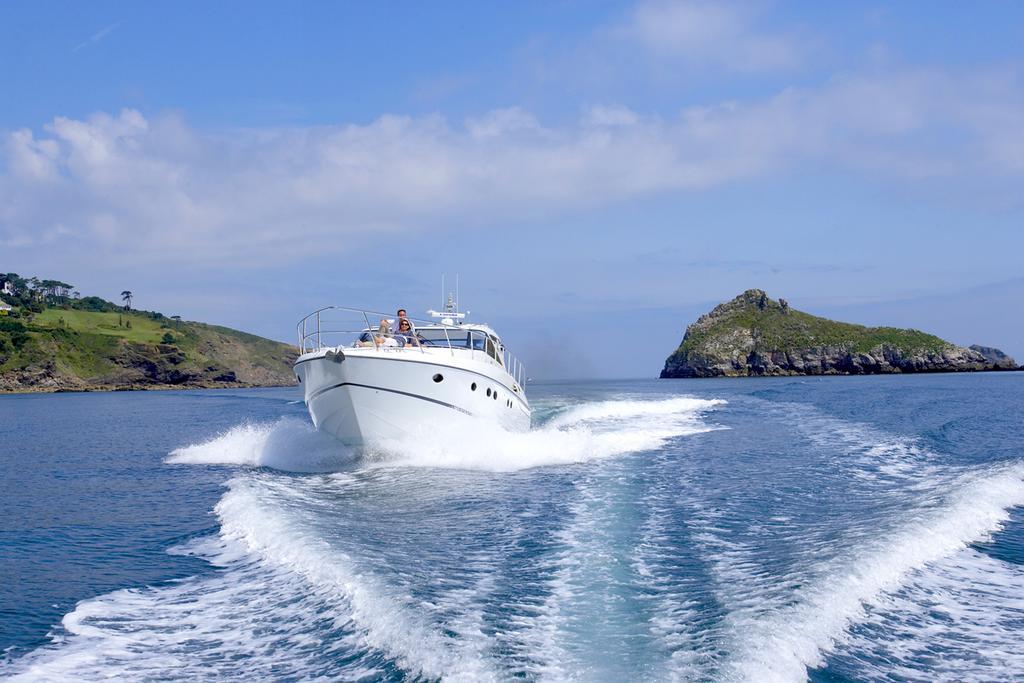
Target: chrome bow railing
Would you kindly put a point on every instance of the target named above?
(339, 326)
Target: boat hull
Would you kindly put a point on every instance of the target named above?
(368, 396)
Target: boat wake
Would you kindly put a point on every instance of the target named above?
(289, 444)
(492, 555)
(576, 434)
(299, 585)
(784, 643)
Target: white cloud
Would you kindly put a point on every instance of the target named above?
(615, 115)
(502, 122)
(156, 186)
(717, 33)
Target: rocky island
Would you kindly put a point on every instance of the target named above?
(754, 335)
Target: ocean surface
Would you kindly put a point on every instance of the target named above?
(831, 529)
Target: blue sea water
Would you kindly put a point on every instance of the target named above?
(831, 529)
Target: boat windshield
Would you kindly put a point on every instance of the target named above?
(459, 338)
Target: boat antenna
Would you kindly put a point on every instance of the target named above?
(449, 312)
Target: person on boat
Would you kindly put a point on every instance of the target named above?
(400, 319)
(384, 336)
(405, 334)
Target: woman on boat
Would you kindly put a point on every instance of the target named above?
(405, 334)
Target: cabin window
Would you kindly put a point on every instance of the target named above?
(488, 392)
(438, 377)
(472, 387)
(492, 351)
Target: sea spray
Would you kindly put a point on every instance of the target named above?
(578, 434)
(289, 444)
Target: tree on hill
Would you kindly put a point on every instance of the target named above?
(54, 291)
(126, 297)
(94, 303)
(13, 284)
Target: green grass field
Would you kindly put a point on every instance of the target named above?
(73, 348)
(779, 330)
(143, 329)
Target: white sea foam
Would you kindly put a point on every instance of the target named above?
(285, 602)
(385, 622)
(675, 609)
(576, 632)
(868, 453)
(959, 620)
(200, 629)
(783, 644)
(289, 444)
(603, 600)
(582, 433)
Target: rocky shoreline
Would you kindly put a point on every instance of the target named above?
(42, 380)
(99, 388)
(753, 335)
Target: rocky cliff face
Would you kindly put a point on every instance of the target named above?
(995, 357)
(214, 357)
(753, 335)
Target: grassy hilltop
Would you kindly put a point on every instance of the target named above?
(756, 335)
(88, 344)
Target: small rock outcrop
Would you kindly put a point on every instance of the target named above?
(754, 335)
(995, 356)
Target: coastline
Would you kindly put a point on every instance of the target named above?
(897, 373)
(103, 389)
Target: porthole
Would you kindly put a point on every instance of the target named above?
(495, 394)
(488, 392)
(472, 387)
(438, 377)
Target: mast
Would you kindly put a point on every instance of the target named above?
(449, 312)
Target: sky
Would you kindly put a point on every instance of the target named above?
(598, 173)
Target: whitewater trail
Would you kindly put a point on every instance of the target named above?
(780, 636)
(431, 559)
(576, 435)
(283, 587)
(969, 607)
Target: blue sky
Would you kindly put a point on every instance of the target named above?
(598, 173)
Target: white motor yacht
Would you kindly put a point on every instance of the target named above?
(367, 383)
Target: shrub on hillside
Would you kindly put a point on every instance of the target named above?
(94, 303)
(13, 334)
